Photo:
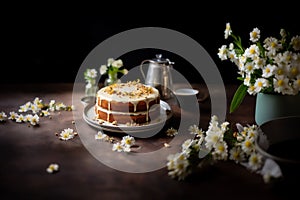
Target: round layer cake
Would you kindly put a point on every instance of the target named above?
(130, 102)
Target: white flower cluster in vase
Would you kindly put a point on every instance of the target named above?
(268, 66)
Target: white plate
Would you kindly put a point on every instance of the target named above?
(165, 115)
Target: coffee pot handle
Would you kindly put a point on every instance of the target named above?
(141, 68)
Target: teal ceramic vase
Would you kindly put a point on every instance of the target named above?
(273, 106)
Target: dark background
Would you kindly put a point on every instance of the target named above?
(49, 45)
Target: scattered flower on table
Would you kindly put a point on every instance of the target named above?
(122, 146)
(67, 134)
(36, 108)
(34, 120)
(13, 115)
(52, 168)
(70, 108)
(20, 118)
(125, 145)
(101, 136)
(118, 147)
(3, 116)
(104, 137)
(45, 113)
(167, 145)
(270, 170)
(24, 108)
(27, 118)
(271, 65)
(60, 106)
(171, 132)
(128, 141)
(221, 143)
(52, 105)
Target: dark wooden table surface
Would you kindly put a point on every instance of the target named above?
(26, 152)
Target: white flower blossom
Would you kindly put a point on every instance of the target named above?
(60, 106)
(236, 154)
(295, 42)
(252, 90)
(101, 136)
(252, 51)
(195, 130)
(255, 35)
(220, 150)
(20, 118)
(171, 132)
(255, 161)
(186, 145)
(37, 101)
(92, 73)
(259, 63)
(52, 105)
(249, 67)
(128, 141)
(34, 120)
(281, 85)
(248, 146)
(268, 71)
(103, 69)
(13, 115)
(247, 80)
(34, 108)
(46, 112)
(227, 31)
(212, 138)
(110, 61)
(260, 84)
(223, 52)
(27, 118)
(53, 167)
(296, 83)
(125, 71)
(272, 45)
(3, 116)
(23, 108)
(117, 63)
(270, 170)
(117, 147)
(67, 134)
(178, 166)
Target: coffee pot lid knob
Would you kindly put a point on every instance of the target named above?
(161, 60)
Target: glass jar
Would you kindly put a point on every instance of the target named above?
(112, 78)
(91, 88)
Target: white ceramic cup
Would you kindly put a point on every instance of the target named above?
(187, 98)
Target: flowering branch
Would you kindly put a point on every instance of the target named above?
(220, 143)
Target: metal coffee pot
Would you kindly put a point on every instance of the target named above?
(159, 75)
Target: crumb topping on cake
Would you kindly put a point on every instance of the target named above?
(131, 90)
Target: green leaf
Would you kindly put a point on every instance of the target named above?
(238, 97)
(240, 78)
